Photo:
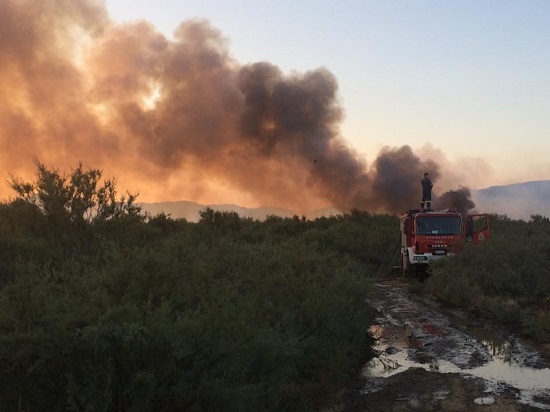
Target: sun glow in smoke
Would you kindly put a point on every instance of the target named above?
(181, 119)
(150, 101)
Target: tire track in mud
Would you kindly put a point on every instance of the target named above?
(414, 334)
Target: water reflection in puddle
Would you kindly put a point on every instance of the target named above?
(509, 364)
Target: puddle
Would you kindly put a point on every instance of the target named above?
(411, 335)
(504, 367)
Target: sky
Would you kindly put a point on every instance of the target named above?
(296, 104)
(466, 78)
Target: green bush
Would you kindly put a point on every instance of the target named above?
(133, 312)
(231, 326)
(501, 278)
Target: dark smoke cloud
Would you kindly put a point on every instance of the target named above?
(459, 199)
(398, 175)
(180, 118)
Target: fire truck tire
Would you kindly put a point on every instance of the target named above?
(407, 269)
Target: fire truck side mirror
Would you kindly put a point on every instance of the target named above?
(406, 224)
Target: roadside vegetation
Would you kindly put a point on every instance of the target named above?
(506, 279)
(103, 308)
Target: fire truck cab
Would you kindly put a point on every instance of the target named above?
(430, 235)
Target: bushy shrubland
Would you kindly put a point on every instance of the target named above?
(506, 278)
(105, 308)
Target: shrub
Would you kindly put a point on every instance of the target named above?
(151, 315)
(503, 277)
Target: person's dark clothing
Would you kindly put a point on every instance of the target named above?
(426, 188)
(426, 192)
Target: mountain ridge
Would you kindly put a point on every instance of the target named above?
(190, 210)
(516, 200)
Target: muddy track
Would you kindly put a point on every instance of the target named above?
(431, 359)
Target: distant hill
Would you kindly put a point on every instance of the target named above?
(190, 210)
(517, 201)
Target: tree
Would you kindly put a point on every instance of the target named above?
(80, 197)
(72, 203)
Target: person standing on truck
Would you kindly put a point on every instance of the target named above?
(426, 191)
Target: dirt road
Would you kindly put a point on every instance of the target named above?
(431, 359)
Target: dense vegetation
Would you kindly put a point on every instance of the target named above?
(506, 279)
(103, 308)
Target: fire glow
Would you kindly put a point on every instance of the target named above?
(169, 118)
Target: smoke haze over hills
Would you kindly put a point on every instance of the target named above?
(181, 118)
(517, 201)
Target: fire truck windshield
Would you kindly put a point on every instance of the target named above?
(438, 225)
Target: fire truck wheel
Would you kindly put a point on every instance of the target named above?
(407, 269)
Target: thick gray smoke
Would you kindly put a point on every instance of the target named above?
(459, 199)
(178, 118)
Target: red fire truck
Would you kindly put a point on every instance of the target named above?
(430, 235)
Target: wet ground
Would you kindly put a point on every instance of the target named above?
(431, 359)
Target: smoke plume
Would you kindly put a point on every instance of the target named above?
(459, 199)
(180, 118)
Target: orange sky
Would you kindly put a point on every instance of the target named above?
(181, 119)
